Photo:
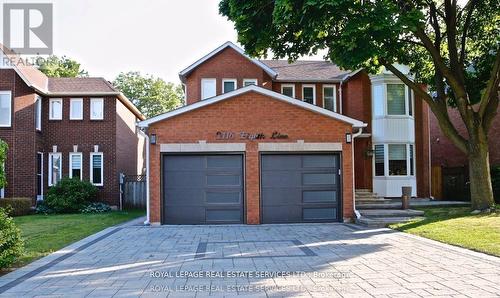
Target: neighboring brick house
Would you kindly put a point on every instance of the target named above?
(265, 141)
(65, 127)
(450, 166)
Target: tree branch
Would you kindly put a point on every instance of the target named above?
(439, 110)
(491, 88)
(469, 8)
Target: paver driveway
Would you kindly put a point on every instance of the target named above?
(274, 260)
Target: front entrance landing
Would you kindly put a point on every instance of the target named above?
(318, 260)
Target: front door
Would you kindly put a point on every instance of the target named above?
(39, 176)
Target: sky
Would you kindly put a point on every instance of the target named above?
(158, 37)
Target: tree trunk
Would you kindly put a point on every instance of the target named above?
(479, 175)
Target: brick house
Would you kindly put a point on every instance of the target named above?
(265, 141)
(65, 127)
(450, 167)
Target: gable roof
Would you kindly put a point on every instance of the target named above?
(44, 85)
(257, 89)
(306, 70)
(227, 44)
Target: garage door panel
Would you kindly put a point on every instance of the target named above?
(281, 196)
(281, 179)
(209, 189)
(300, 188)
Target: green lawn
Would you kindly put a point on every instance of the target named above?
(456, 226)
(44, 234)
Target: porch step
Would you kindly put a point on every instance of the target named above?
(388, 213)
(381, 222)
(396, 204)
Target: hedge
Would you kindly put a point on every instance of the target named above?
(18, 206)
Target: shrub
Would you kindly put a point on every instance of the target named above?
(70, 195)
(42, 208)
(18, 206)
(96, 208)
(11, 244)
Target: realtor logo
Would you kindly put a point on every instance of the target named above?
(27, 28)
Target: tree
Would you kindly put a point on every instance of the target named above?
(60, 67)
(3, 157)
(452, 48)
(151, 95)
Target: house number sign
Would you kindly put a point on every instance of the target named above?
(243, 135)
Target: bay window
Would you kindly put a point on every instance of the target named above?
(55, 168)
(394, 160)
(396, 100)
(97, 168)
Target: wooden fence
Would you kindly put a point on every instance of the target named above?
(134, 191)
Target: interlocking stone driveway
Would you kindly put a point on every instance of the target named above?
(331, 260)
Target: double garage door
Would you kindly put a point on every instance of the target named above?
(206, 189)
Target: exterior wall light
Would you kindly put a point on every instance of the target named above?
(152, 139)
(348, 138)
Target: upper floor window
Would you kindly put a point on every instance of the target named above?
(38, 113)
(288, 90)
(396, 100)
(96, 108)
(5, 108)
(309, 94)
(55, 109)
(208, 88)
(248, 82)
(76, 109)
(55, 168)
(330, 98)
(96, 168)
(229, 85)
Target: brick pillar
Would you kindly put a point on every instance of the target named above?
(154, 183)
(252, 186)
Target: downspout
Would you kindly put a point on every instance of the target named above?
(145, 135)
(354, 136)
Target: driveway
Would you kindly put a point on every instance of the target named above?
(331, 260)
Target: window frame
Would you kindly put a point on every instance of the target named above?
(203, 80)
(92, 154)
(313, 86)
(409, 160)
(334, 87)
(96, 99)
(252, 82)
(235, 81)
(71, 155)
(9, 93)
(51, 101)
(38, 113)
(71, 101)
(50, 166)
(289, 86)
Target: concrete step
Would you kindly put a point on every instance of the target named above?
(362, 190)
(381, 222)
(387, 213)
(373, 201)
(396, 204)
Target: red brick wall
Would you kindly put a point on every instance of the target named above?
(445, 154)
(85, 133)
(20, 137)
(227, 64)
(250, 112)
(126, 141)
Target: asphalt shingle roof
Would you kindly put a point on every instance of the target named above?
(306, 70)
(84, 85)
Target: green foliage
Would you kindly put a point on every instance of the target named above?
(70, 195)
(151, 95)
(60, 67)
(42, 208)
(3, 157)
(357, 34)
(96, 208)
(17, 206)
(495, 181)
(11, 244)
